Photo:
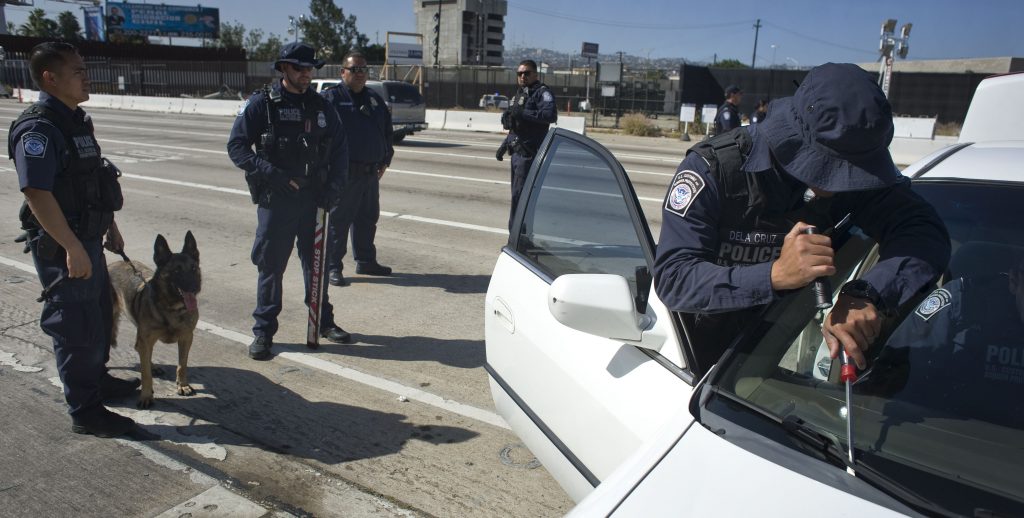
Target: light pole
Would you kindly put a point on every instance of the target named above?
(294, 22)
(774, 48)
(886, 45)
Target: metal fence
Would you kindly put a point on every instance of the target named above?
(646, 91)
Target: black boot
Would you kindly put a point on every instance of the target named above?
(101, 423)
(335, 334)
(373, 268)
(259, 349)
(335, 278)
(111, 387)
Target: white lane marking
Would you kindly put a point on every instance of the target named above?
(349, 373)
(18, 264)
(194, 185)
(410, 217)
(449, 177)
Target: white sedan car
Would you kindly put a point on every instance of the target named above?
(598, 379)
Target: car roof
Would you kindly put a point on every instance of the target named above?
(996, 110)
(984, 161)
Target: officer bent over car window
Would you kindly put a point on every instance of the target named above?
(736, 213)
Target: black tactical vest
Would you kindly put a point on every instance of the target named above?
(532, 132)
(86, 190)
(296, 136)
(759, 208)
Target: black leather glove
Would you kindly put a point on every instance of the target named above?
(278, 180)
(329, 198)
(502, 150)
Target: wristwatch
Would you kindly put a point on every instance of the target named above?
(861, 289)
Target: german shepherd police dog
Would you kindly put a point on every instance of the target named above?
(161, 304)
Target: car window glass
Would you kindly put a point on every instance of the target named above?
(577, 219)
(942, 398)
(403, 93)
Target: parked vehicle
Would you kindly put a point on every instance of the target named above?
(596, 376)
(494, 101)
(408, 109)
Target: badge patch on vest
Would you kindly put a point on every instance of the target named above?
(935, 302)
(34, 144)
(321, 119)
(547, 96)
(685, 188)
(289, 115)
(85, 146)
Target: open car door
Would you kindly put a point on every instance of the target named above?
(585, 362)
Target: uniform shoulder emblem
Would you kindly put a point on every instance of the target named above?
(241, 110)
(936, 302)
(685, 187)
(726, 115)
(34, 144)
(321, 119)
(546, 95)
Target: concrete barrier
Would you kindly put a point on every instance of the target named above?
(435, 118)
(575, 124)
(473, 121)
(914, 127)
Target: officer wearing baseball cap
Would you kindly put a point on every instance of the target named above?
(728, 116)
(734, 218)
(300, 162)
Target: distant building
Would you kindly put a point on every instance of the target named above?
(472, 31)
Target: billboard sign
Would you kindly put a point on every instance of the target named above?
(182, 21)
(405, 53)
(589, 50)
(94, 23)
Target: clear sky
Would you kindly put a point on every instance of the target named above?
(804, 32)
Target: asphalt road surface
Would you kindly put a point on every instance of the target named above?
(400, 423)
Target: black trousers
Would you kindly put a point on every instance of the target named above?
(359, 211)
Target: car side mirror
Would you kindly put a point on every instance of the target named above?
(598, 304)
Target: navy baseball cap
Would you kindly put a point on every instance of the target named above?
(834, 132)
(298, 54)
(732, 89)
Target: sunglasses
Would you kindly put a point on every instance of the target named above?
(358, 70)
(524, 72)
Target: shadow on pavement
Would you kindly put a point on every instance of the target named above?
(465, 354)
(448, 282)
(265, 414)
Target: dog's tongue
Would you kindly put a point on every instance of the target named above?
(190, 300)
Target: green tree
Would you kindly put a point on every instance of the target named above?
(39, 26)
(374, 53)
(331, 32)
(252, 42)
(232, 35)
(268, 50)
(730, 63)
(68, 27)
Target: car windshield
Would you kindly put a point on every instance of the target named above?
(940, 409)
(403, 93)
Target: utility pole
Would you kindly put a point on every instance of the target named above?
(757, 29)
(886, 45)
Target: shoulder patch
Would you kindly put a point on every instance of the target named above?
(685, 187)
(34, 144)
(245, 105)
(725, 115)
(935, 302)
(548, 98)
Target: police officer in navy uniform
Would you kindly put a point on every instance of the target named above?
(71, 195)
(299, 164)
(530, 112)
(728, 116)
(735, 215)
(963, 344)
(367, 122)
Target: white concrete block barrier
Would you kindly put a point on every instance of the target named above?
(914, 127)
(473, 121)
